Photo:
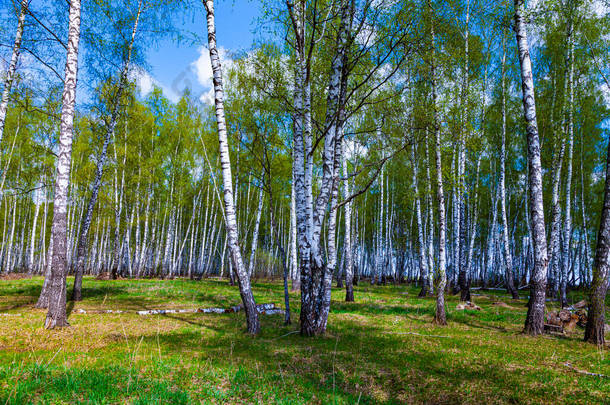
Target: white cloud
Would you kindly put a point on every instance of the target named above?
(203, 71)
(146, 83)
(600, 8)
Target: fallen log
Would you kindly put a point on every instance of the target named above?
(467, 305)
(567, 320)
(99, 311)
(570, 366)
(265, 309)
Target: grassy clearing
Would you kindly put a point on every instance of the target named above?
(375, 351)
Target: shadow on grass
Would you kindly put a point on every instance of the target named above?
(355, 362)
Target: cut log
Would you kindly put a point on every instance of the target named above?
(570, 326)
(548, 328)
(580, 305)
(552, 318)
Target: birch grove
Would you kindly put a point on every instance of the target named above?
(382, 142)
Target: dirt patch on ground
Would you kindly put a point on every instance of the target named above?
(15, 276)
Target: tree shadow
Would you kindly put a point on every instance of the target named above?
(352, 361)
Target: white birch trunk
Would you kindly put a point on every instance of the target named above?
(57, 317)
(535, 315)
(229, 208)
(12, 67)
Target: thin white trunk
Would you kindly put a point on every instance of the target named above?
(225, 162)
(12, 67)
(255, 233)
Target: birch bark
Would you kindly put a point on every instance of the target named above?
(423, 263)
(347, 241)
(245, 290)
(567, 226)
(440, 316)
(534, 321)
(594, 330)
(12, 67)
(56, 316)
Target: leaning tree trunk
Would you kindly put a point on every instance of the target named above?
(508, 258)
(594, 331)
(440, 317)
(243, 280)
(12, 67)
(81, 255)
(56, 317)
(534, 321)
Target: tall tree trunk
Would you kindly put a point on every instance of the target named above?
(466, 292)
(115, 265)
(57, 317)
(508, 258)
(347, 241)
(423, 263)
(243, 280)
(315, 278)
(567, 227)
(440, 316)
(430, 210)
(594, 331)
(534, 321)
(12, 67)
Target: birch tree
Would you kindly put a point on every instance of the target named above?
(535, 313)
(12, 67)
(56, 316)
(97, 181)
(508, 258)
(245, 290)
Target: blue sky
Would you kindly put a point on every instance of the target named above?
(174, 66)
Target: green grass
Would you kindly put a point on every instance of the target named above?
(376, 350)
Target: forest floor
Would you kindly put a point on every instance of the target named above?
(381, 349)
